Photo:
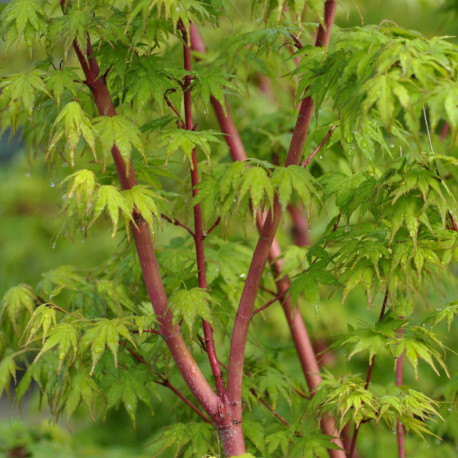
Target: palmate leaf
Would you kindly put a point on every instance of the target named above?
(314, 445)
(213, 82)
(82, 388)
(74, 26)
(264, 40)
(120, 132)
(350, 400)
(189, 440)
(17, 301)
(60, 81)
(274, 383)
(279, 439)
(43, 317)
(285, 179)
(65, 337)
(414, 347)
(18, 92)
(188, 304)
(369, 338)
(254, 431)
(146, 201)
(187, 141)
(72, 123)
(149, 79)
(186, 11)
(109, 198)
(22, 19)
(128, 387)
(115, 296)
(80, 190)
(8, 370)
(56, 280)
(105, 333)
(448, 313)
(308, 283)
(257, 184)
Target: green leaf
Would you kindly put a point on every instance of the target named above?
(146, 201)
(60, 81)
(22, 19)
(19, 91)
(73, 26)
(8, 370)
(56, 280)
(190, 304)
(80, 193)
(213, 82)
(82, 388)
(187, 141)
(43, 317)
(72, 123)
(105, 333)
(15, 302)
(109, 198)
(120, 132)
(65, 337)
(256, 182)
(443, 313)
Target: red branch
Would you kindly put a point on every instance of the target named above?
(325, 139)
(299, 333)
(267, 234)
(198, 220)
(142, 237)
(351, 452)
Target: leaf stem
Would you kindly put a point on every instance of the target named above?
(198, 220)
(176, 222)
(268, 304)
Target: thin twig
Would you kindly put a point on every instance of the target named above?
(136, 355)
(325, 139)
(165, 382)
(177, 223)
(274, 412)
(268, 304)
(172, 106)
(218, 220)
(296, 40)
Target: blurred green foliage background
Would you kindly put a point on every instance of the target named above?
(29, 221)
